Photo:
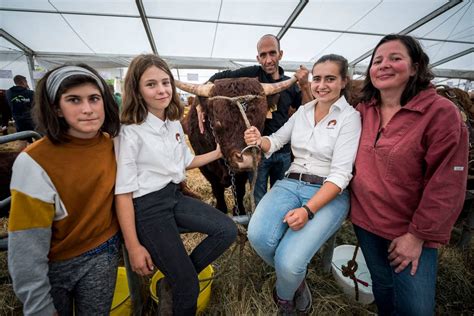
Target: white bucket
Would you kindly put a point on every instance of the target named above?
(342, 254)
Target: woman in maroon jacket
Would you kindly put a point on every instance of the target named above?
(410, 176)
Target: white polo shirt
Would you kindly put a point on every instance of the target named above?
(150, 155)
(327, 149)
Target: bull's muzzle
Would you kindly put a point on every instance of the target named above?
(243, 162)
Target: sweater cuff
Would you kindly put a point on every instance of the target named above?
(340, 182)
(49, 310)
(430, 238)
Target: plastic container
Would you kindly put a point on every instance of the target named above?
(342, 254)
(121, 304)
(204, 287)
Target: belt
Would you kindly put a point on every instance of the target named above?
(310, 178)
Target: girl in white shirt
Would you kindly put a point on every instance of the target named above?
(300, 212)
(152, 157)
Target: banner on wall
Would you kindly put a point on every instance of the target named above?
(6, 74)
(38, 74)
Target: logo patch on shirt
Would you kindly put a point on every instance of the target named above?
(458, 168)
(178, 138)
(331, 124)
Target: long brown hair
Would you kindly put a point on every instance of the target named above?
(134, 108)
(45, 112)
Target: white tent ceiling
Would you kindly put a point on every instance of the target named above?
(220, 34)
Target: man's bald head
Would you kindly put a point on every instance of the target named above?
(268, 36)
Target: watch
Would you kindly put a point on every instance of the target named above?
(310, 214)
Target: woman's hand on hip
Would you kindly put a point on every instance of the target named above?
(296, 218)
(140, 260)
(404, 250)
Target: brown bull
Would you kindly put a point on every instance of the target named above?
(225, 125)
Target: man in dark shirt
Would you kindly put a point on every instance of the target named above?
(269, 71)
(20, 100)
(5, 113)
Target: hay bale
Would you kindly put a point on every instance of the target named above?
(9, 304)
(455, 282)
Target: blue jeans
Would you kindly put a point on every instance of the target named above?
(290, 251)
(159, 217)
(273, 167)
(399, 293)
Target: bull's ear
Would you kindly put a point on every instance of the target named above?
(272, 101)
(272, 105)
(202, 101)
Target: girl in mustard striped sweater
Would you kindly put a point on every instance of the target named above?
(63, 242)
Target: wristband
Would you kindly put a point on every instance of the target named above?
(310, 214)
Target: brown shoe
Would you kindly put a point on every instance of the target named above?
(303, 299)
(165, 297)
(285, 308)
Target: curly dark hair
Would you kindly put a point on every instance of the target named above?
(420, 60)
(45, 113)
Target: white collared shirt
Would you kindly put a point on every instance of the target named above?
(327, 149)
(150, 155)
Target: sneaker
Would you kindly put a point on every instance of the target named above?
(303, 299)
(285, 308)
(165, 297)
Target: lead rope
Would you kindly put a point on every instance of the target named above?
(241, 102)
(255, 150)
(229, 170)
(350, 269)
(241, 234)
(252, 200)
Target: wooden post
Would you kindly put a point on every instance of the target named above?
(326, 256)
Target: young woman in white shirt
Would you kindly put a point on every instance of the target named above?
(300, 212)
(152, 157)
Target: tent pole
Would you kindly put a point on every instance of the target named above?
(31, 68)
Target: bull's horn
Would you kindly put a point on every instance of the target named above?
(273, 88)
(202, 90)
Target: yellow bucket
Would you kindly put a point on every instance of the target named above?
(204, 287)
(121, 304)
